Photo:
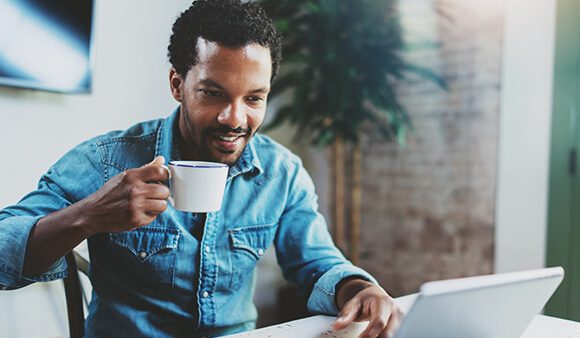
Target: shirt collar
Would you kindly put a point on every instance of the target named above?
(165, 140)
(249, 161)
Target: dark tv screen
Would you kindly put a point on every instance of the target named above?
(46, 44)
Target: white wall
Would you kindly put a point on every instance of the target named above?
(526, 105)
(130, 84)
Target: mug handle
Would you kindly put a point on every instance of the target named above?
(170, 199)
(168, 171)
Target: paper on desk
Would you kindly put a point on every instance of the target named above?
(317, 326)
(312, 327)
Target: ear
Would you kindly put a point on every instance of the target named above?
(176, 84)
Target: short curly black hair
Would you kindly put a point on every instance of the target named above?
(228, 22)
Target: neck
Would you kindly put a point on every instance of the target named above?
(181, 134)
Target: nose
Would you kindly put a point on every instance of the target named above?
(233, 116)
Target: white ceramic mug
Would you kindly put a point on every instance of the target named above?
(197, 186)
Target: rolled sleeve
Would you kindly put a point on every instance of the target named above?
(305, 250)
(322, 298)
(13, 241)
(76, 175)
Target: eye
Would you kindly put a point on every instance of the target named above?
(211, 93)
(255, 98)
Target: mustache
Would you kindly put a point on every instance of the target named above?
(226, 129)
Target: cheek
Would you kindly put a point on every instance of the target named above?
(201, 117)
(256, 118)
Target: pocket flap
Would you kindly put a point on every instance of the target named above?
(255, 239)
(146, 241)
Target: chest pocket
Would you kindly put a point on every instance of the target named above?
(248, 246)
(147, 254)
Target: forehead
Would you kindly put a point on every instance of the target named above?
(249, 61)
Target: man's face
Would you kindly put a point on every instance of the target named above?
(223, 100)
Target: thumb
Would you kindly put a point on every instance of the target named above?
(347, 315)
(159, 160)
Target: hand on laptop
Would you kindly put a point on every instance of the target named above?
(360, 300)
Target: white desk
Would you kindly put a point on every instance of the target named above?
(319, 327)
(550, 327)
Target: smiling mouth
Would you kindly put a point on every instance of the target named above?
(228, 143)
(229, 138)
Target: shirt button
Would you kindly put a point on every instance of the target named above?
(205, 294)
(207, 249)
(142, 254)
(260, 252)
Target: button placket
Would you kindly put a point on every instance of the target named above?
(207, 271)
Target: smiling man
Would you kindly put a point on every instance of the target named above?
(159, 272)
(223, 99)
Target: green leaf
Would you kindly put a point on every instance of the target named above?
(427, 74)
(342, 61)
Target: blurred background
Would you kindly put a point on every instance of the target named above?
(478, 175)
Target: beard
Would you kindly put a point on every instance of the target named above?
(215, 149)
(211, 144)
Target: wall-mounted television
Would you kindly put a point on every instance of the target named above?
(46, 44)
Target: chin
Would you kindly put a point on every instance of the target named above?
(229, 159)
(215, 154)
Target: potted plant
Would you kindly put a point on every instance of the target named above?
(341, 63)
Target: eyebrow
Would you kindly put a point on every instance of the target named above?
(211, 83)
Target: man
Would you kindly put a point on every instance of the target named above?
(158, 272)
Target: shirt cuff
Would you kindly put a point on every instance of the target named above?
(13, 239)
(322, 298)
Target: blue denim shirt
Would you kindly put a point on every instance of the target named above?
(163, 280)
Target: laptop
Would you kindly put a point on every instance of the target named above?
(494, 306)
(491, 306)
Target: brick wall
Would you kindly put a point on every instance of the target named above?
(428, 209)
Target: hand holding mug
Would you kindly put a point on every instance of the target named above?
(131, 199)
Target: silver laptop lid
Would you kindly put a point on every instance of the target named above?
(494, 306)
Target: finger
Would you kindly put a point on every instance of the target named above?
(154, 207)
(394, 322)
(156, 191)
(347, 315)
(153, 173)
(385, 334)
(374, 328)
(143, 219)
(168, 171)
(148, 219)
(159, 160)
(379, 317)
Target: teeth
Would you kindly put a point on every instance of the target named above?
(228, 139)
